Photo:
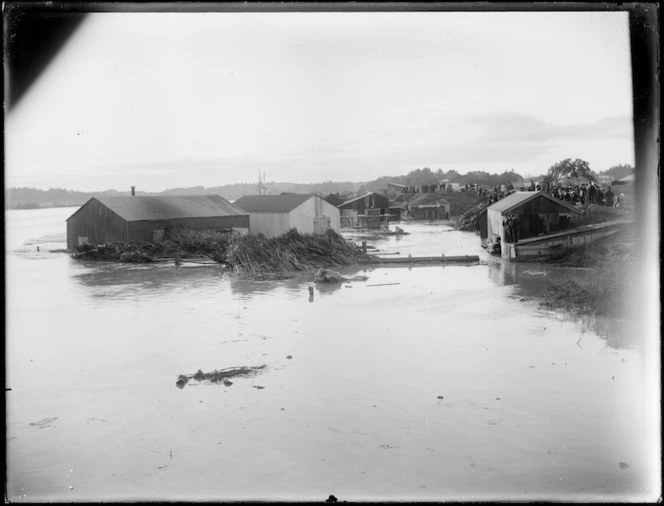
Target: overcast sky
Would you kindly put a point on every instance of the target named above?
(161, 100)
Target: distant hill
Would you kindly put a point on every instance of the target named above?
(32, 198)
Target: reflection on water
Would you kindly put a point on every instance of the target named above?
(531, 278)
(423, 383)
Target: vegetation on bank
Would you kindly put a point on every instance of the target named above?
(248, 254)
(603, 291)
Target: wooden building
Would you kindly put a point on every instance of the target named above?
(429, 206)
(104, 220)
(370, 210)
(533, 213)
(274, 215)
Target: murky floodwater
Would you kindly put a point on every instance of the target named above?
(441, 383)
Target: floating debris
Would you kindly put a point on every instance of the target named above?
(330, 276)
(623, 465)
(218, 376)
(44, 422)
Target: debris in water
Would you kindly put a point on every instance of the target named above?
(623, 465)
(258, 387)
(331, 499)
(497, 398)
(440, 396)
(181, 382)
(44, 422)
(330, 276)
(71, 488)
(289, 357)
(218, 376)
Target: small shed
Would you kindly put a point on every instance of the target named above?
(370, 210)
(429, 206)
(274, 215)
(104, 220)
(534, 213)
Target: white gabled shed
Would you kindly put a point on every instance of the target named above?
(274, 215)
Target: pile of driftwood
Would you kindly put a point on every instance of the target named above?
(253, 255)
(292, 252)
(142, 252)
(220, 376)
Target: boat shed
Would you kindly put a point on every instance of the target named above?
(274, 215)
(370, 210)
(533, 213)
(104, 220)
(429, 206)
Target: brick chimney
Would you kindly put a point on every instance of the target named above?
(133, 191)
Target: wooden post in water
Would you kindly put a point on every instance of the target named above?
(177, 260)
(37, 249)
(364, 247)
(311, 294)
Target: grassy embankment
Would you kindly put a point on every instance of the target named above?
(612, 260)
(459, 201)
(249, 255)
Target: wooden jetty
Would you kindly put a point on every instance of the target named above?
(557, 244)
(442, 259)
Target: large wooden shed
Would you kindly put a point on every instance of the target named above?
(104, 220)
(370, 210)
(535, 213)
(274, 215)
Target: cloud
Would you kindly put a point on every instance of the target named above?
(516, 127)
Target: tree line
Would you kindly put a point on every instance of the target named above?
(30, 198)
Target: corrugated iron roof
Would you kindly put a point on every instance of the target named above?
(517, 199)
(361, 197)
(283, 203)
(165, 207)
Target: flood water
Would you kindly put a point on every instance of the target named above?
(422, 383)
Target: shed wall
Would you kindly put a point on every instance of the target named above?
(326, 209)
(302, 217)
(145, 230)
(97, 223)
(495, 225)
(268, 224)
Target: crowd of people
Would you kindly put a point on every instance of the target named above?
(582, 194)
(590, 193)
(426, 188)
